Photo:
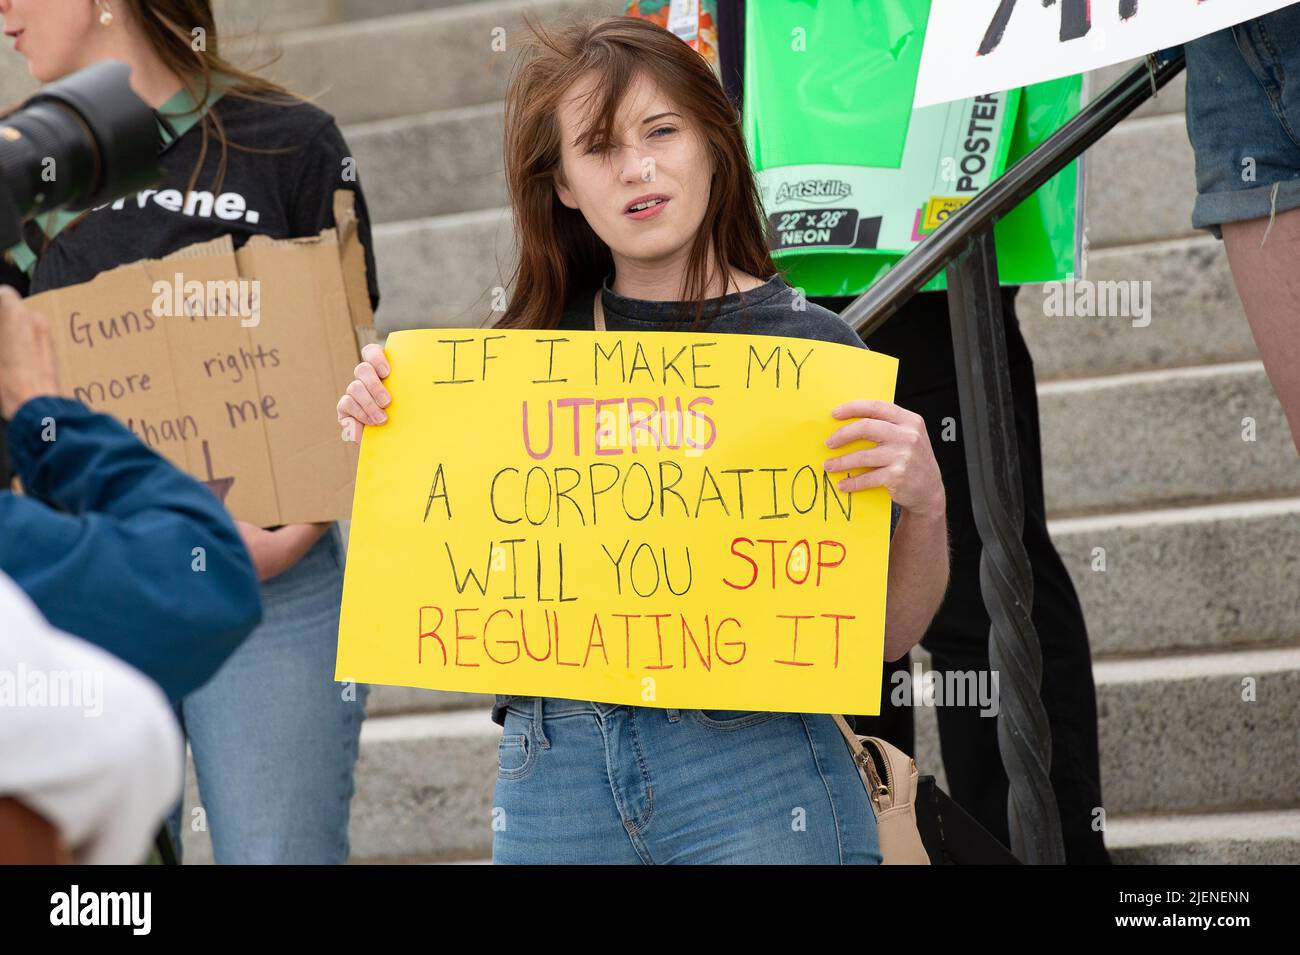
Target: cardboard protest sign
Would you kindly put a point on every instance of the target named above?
(229, 363)
(973, 47)
(636, 518)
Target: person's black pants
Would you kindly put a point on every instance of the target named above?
(958, 638)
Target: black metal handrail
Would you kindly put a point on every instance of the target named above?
(964, 246)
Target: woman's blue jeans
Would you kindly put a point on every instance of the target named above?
(582, 782)
(274, 737)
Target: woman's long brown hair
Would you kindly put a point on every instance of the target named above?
(171, 28)
(558, 252)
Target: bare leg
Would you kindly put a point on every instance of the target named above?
(1268, 281)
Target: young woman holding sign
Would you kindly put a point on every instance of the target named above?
(628, 175)
(274, 737)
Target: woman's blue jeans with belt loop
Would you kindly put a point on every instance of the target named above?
(582, 782)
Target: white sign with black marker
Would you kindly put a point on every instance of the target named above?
(973, 47)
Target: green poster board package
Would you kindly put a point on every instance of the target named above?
(852, 178)
(831, 81)
(953, 151)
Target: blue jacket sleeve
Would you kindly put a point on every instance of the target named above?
(127, 551)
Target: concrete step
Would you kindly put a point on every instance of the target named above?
(1221, 838)
(1217, 577)
(1200, 732)
(399, 700)
(1137, 441)
(436, 163)
(416, 62)
(441, 272)
(420, 860)
(236, 17)
(424, 786)
(1141, 183)
(371, 9)
(1175, 734)
(1194, 318)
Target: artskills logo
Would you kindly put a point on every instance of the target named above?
(812, 190)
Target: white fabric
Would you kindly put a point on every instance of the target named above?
(86, 741)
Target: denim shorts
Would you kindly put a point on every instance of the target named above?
(596, 783)
(1243, 119)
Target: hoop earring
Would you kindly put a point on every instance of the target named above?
(105, 15)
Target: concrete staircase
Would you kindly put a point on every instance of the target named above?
(1143, 449)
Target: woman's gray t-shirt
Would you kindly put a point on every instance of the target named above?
(773, 308)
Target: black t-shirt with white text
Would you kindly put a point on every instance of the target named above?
(283, 163)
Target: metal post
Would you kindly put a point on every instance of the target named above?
(1006, 579)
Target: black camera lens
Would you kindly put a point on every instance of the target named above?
(83, 140)
(47, 157)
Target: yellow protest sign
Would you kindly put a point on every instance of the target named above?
(639, 518)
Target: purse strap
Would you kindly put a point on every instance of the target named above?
(598, 310)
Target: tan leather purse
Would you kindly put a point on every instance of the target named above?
(893, 797)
